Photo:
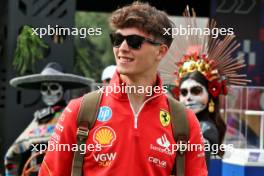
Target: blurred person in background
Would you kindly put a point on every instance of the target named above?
(108, 73)
(200, 67)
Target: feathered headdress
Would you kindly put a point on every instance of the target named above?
(206, 54)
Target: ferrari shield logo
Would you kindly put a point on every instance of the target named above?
(164, 118)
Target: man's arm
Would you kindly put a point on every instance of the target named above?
(195, 164)
(58, 159)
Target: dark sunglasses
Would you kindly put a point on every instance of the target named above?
(196, 90)
(133, 41)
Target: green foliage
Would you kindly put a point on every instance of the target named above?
(93, 53)
(88, 67)
(29, 50)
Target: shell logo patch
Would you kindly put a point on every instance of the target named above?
(164, 118)
(105, 136)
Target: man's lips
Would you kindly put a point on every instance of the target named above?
(124, 59)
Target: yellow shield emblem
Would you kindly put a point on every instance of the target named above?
(164, 118)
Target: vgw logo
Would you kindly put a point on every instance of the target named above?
(104, 159)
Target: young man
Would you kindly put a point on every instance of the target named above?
(133, 138)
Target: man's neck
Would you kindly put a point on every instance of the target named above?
(147, 80)
(137, 99)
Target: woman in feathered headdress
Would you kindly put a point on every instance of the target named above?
(200, 67)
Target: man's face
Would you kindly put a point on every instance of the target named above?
(141, 61)
(194, 95)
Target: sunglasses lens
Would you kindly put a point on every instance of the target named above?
(116, 39)
(134, 41)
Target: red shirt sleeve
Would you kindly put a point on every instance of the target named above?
(195, 164)
(58, 159)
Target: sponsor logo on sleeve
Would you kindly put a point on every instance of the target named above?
(68, 110)
(62, 117)
(59, 127)
(55, 138)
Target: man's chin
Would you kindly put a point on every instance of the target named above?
(126, 72)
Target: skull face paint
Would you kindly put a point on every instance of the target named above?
(194, 95)
(51, 92)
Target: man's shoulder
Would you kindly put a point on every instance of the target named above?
(74, 105)
(76, 101)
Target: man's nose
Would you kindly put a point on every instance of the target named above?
(124, 46)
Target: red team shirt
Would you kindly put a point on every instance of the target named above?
(123, 143)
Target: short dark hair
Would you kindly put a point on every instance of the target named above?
(144, 17)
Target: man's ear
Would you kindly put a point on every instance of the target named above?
(163, 49)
